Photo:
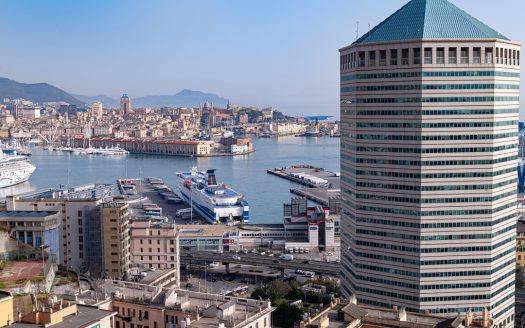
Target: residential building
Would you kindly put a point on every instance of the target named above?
(155, 245)
(345, 315)
(31, 112)
(63, 314)
(429, 109)
(116, 240)
(78, 209)
(157, 307)
(6, 309)
(96, 109)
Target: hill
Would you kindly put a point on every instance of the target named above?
(185, 98)
(35, 92)
(106, 101)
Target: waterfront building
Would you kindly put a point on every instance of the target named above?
(429, 109)
(125, 105)
(35, 228)
(155, 245)
(150, 146)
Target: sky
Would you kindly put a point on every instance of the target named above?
(279, 53)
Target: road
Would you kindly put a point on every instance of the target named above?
(330, 268)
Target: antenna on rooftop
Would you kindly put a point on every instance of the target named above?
(357, 31)
(369, 30)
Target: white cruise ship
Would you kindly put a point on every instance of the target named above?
(14, 169)
(218, 204)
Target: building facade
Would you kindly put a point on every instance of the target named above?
(78, 209)
(429, 108)
(34, 228)
(96, 109)
(116, 240)
(155, 245)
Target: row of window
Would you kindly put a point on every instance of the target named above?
(426, 100)
(448, 298)
(440, 225)
(437, 138)
(443, 310)
(405, 125)
(383, 150)
(405, 260)
(433, 213)
(428, 163)
(434, 200)
(431, 55)
(435, 188)
(429, 287)
(404, 236)
(434, 274)
(430, 87)
(419, 113)
(417, 74)
(417, 250)
(431, 175)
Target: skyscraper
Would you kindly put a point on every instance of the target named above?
(429, 109)
(125, 104)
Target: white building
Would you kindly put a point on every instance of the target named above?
(239, 149)
(96, 109)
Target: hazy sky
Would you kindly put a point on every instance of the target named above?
(280, 53)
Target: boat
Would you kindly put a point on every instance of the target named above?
(14, 169)
(216, 203)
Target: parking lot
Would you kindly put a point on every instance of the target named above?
(147, 193)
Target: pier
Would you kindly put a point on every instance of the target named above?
(321, 184)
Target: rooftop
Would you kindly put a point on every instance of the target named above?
(204, 310)
(26, 214)
(429, 19)
(85, 316)
(79, 193)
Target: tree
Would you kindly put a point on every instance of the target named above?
(274, 290)
(287, 315)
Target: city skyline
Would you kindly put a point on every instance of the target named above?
(272, 54)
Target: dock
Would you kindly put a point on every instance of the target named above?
(321, 185)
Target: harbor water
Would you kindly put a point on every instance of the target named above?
(244, 173)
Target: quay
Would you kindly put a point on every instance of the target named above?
(321, 185)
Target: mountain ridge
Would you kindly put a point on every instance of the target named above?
(45, 92)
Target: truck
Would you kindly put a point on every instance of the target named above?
(286, 257)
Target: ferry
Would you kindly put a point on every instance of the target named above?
(14, 169)
(217, 203)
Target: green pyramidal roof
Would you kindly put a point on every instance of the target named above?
(429, 19)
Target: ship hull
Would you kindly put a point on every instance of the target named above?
(215, 210)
